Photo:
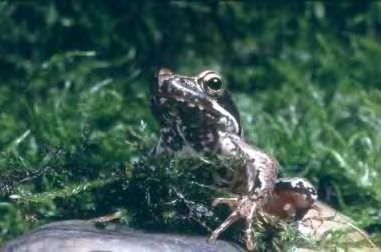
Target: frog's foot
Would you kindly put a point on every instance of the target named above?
(245, 207)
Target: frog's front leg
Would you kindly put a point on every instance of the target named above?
(244, 208)
(260, 175)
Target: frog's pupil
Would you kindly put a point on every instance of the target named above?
(214, 83)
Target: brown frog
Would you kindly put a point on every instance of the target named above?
(197, 115)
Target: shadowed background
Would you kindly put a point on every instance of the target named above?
(74, 97)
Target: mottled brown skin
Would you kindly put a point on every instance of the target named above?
(197, 115)
(289, 203)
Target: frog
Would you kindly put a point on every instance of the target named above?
(197, 115)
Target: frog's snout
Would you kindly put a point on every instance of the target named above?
(163, 75)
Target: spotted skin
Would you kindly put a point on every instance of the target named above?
(291, 198)
(198, 115)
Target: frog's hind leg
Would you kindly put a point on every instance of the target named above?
(291, 198)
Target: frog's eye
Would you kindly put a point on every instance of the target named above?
(213, 81)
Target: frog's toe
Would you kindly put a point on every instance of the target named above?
(229, 220)
(244, 208)
(249, 218)
(231, 202)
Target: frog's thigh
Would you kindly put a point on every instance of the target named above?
(292, 197)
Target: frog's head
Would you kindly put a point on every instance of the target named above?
(194, 102)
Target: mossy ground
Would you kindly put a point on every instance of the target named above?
(75, 119)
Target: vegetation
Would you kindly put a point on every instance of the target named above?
(74, 97)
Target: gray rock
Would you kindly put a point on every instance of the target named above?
(84, 236)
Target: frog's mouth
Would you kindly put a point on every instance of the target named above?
(200, 103)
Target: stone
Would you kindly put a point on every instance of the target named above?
(85, 236)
